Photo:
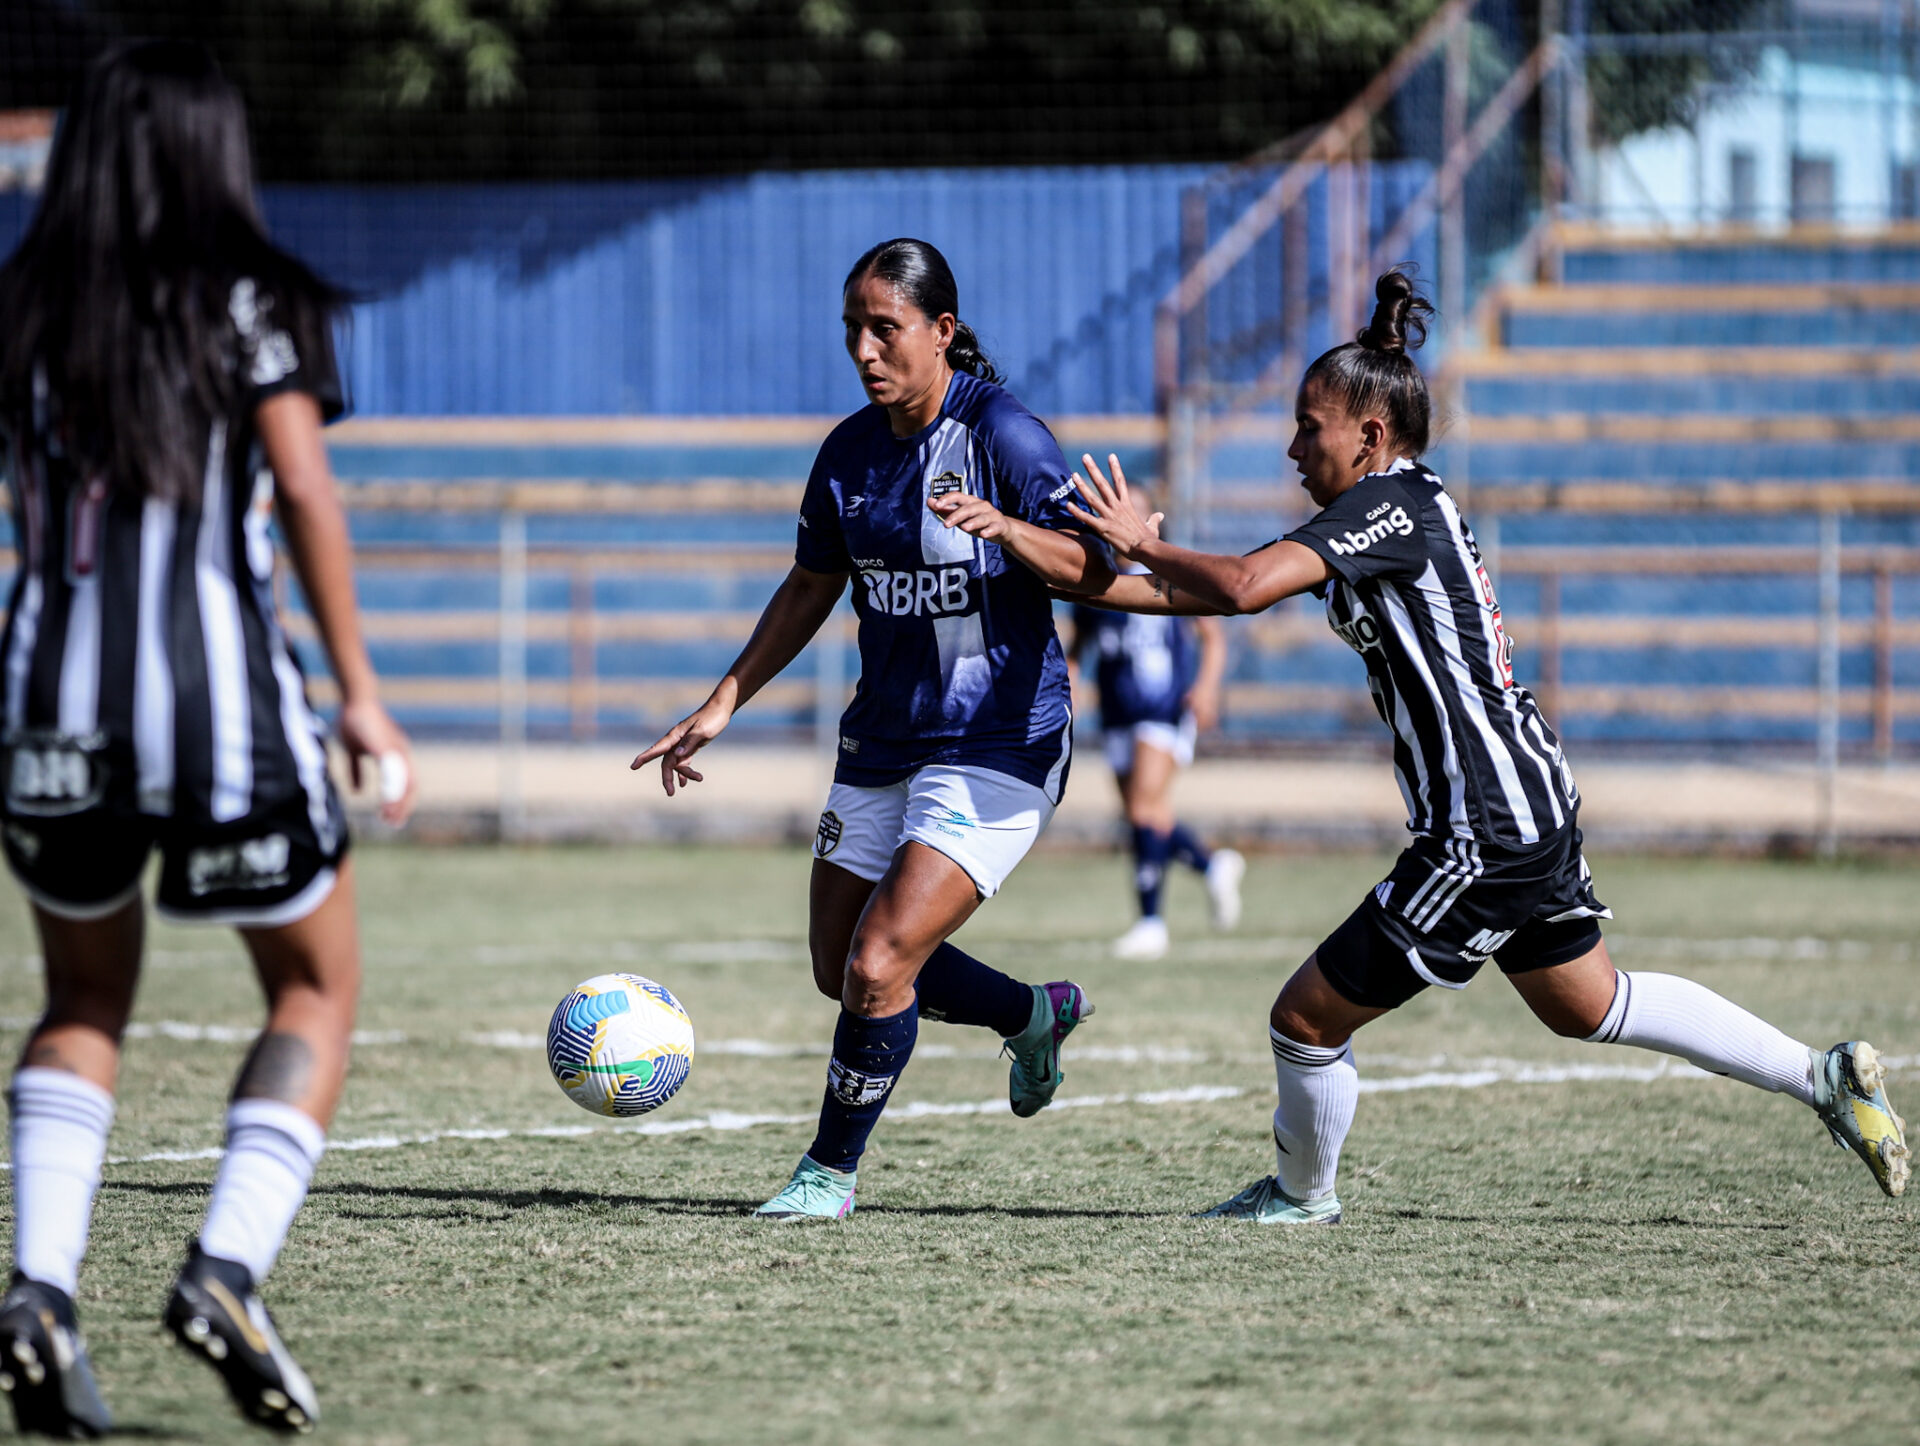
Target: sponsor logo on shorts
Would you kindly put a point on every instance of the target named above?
(851, 1087)
(1484, 945)
(853, 505)
(255, 863)
(826, 838)
(1352, 543)
(946, 483)
(849, 745)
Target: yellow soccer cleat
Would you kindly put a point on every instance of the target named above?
(1850, 1096)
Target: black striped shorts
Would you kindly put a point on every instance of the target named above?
(1452, 904)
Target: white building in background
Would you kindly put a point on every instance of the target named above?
(1831, 137)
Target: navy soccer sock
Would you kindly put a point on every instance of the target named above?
(1150, 852)
(868, 1055)
(1188, 849)
(958, 989)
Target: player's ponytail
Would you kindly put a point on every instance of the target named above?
(918, 271)
(1373, 375)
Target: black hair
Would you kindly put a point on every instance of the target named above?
(119, 293)
(921, 274)
(1373, 375)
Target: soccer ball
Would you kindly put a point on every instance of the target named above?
(620, 1045)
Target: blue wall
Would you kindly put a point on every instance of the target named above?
(723, 296)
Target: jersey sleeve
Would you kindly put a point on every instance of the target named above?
(1035, 482)
(820, 545)
(271, 362)
(1370, 530)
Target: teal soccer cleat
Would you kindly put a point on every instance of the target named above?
(814, 1193)
(1265, 1203)
(1850, 1096)
(1058, 1009)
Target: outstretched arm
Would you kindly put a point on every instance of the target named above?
(1064, 560)
(792, 616)
(1189, 582)
(315, 525)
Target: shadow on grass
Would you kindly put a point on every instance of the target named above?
(1531, 1217)
(491, 1202)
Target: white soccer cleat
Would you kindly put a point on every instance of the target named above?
(1147, 939)
(1224, 873)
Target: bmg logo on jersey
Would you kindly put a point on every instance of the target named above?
(918, 592)
(1352, 544)
(255, 863)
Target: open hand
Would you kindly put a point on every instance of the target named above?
(973, 515)
(1109, 513)
(680, 742)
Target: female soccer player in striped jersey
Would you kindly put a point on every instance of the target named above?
(954, 751)
(1495, 870)
(164, 372)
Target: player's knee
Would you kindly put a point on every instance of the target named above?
(829, 972)
(1569, 1021)
(875, 969)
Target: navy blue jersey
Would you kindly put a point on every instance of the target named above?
(959, 662)
(1143, 664)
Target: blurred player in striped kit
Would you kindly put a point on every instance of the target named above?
(1158, 678)
(164, 374)
(1495, 871)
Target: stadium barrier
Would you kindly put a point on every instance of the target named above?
(545, 596)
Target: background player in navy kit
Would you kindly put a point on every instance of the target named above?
(954, 751)
(1158, 679)
(1495, 870)
(164, 371)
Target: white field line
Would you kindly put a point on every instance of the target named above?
(1489, 1073)
(644, 954)
(1439, 1069)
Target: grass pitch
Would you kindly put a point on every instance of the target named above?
(1531, 1252)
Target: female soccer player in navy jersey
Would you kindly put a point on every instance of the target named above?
(1495, 870)
(954, 751)
(1158, 680)
(164, 372)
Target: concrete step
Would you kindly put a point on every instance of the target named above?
(1809, 254)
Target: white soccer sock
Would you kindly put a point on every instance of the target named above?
(60, 1125)
(1318, 1091)
(272, 1149)
(1677, 1016)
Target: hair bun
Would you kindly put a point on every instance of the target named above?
(1399, 317)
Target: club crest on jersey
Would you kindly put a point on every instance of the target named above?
(917, 592)
(1353, 543)
(826, 838)
(946, 483)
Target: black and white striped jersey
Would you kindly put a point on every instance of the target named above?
(142, 654)
(1409, 593)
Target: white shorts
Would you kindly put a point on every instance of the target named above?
(984, 821)
(1174, 738)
